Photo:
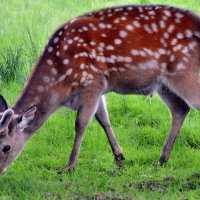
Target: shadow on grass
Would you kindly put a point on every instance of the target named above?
(162, 186)
(190, 183)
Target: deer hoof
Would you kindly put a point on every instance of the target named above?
(119, 160)
(68, 169)
(162, 160)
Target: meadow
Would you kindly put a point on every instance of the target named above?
(141, 124)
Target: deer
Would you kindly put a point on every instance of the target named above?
(133, 49)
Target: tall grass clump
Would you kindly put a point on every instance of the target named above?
(17, 62)
(11, 64)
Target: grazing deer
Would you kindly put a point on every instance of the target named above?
(128, 50)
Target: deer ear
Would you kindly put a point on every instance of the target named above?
(27, 117)
(5, 120)
(3, 104)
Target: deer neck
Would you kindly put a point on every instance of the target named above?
(37, 92)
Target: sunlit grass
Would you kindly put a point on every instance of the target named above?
(141, 125)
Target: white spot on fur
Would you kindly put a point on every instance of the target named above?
(167, 13)
(93, 68)
(40, 88)
(69, 71)
(164, 17)
(76, 38)
(171, 28)
(147, 28)
(84, 73)
(110, 47)
(154, 27)
(180, 66)
(148, 65)
(46, 79)
(130, 8)
(83, 79)
(82, 66)
(149, 51)
(55, 40)
(161, 51)
(109, 26)
(60, 33)
(180, 35)
(188, 33)
(70, 41)
(85, 28)
(50, 49)
(92, 43)
(49, 62)
(117, 41)
(103, 35)
(117, 20)
(174, 41)
(54, 71)
(65, 61)
(135, 52)
(156, 55)
(123, 18)
(197, 34)
(75, 84)
(192, 45)
(162, 24)
(177, 20)
(152, 12)
(122, 34)
(94, 29)
(177, 48)
(65, 47)
(185, 50)
(90, 76)
(129, 27)
(172, 58)
(179, 15)
(101, 44)
(166, 35)
(137, 24)
(140, 9)
(57, 53)
(102, 25)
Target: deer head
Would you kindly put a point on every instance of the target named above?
(13, 133)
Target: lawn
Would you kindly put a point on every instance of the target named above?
(141, 124)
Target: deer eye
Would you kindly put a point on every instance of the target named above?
(6, 148)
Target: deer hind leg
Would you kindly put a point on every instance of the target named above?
(188, 88)
(179, 110)
(103, 119)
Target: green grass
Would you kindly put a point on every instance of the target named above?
(140, 125)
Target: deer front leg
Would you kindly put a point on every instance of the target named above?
(103, 119)
(87, 109)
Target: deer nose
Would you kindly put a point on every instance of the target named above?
(6, 148)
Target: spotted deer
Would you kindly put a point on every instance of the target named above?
(127, 50)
